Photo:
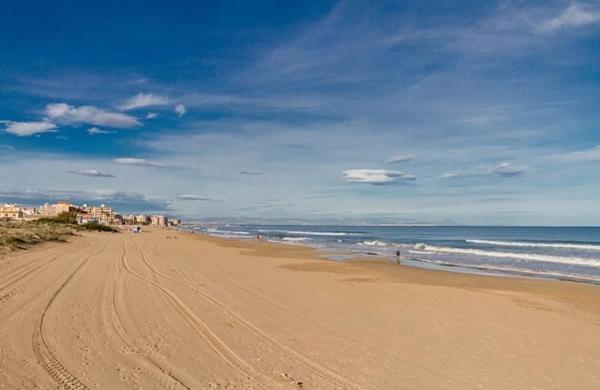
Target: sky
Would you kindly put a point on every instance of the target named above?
(442, 112)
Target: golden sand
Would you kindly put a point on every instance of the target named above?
(121, 311)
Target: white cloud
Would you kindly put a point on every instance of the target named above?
(138, 161)
(460, 175)
(91, 172)
(504, 169)
(398, 159)
(592, 154)
(180, 110)
(250, 173)
(151, 115)
(573, 16)
(197, 197)
(26, 129)
(65, 113)
(144, 100)
(95, 130)
(376, 176)
(507, 169)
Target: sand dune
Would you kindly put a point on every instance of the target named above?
(115, 311)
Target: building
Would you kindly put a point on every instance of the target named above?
(128, 219)
(12, 212)
(29, 212)
(85, 218)
(52, 210)
(158, 220)
(174, 222)
(102, 214)
(83, 214)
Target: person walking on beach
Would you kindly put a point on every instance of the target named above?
(398, 256)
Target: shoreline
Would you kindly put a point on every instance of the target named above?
(552, 287)
(353, 255)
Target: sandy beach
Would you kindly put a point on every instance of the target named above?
(123, 311)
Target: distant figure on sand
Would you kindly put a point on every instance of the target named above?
(398, 256)
(258, 237)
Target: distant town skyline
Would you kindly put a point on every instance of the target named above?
(82, 214)
(431, 112)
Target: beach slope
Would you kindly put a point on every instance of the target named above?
(149, 310)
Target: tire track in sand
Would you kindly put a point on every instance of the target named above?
(45, 357)
(290, 353)
(29, 269)
(200, 327)
(119, 328)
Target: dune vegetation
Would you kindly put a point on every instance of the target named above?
(21, 235)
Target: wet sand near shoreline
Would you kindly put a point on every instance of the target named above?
(146, 311)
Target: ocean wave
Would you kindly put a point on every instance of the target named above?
(510, 255)
(213, 230)
(227, 235)
(517, 270)
(374, 243)
(294, 239)
(559, 245)
(303, 233)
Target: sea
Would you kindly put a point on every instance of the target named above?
(571, 253)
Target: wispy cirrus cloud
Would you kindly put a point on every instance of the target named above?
(250, 173)
(26, 129)
(195, 197)
(68, 114)
(142, 100)
(575, 15)
(462, 88)
(95, 130)
(376, 176)
(507, 169)
(139, 162)
(591, 154)
(7, 147)
(91, 172)
(461, 174)
(504, 169)
(399, 159)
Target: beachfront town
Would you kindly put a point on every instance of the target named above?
(84, 214)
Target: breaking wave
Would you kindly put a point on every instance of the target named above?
(374, 243)
(557, 245)
(303, 233)
(571, 260)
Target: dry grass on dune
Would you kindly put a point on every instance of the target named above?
(19, 235)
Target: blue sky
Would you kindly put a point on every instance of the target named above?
(474, 112)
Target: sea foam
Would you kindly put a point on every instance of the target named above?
(590, 262)
(558, 245)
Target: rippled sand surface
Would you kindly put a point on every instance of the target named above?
(121, 311)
